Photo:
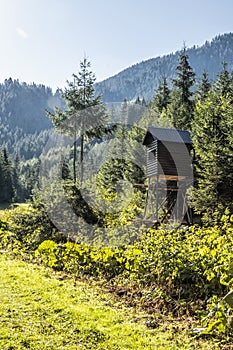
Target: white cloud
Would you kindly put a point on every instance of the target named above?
(21, 32)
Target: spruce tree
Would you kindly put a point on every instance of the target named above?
(6, 193)
(162, 97)
(203, 88)
(16, 179)
(212, 130)
(223, 83)
(180, 110)
(85, 115)
(144, 102)
(185, 78)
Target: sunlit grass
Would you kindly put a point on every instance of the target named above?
(44, 310)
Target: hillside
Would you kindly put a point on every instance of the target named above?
(143, 78)
(24, 126)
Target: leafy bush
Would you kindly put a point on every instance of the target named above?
(219, 320)
(80, 259)
(180, 268)
(190, 264)
(29, 226)
(50, 254)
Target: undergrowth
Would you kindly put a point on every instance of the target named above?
(185, 272)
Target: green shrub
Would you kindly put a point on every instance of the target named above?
(186, 266)
(80, 259)
(30, 226)
(49, 253)
(190, 263)
(76, 258)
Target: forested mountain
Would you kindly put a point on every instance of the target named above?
(184, 81)
(24, 132)
(24, 105)
(143, 78)
(24, 126)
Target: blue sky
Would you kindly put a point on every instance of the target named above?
(43, 41)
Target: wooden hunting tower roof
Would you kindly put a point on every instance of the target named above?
(168, 153)
(166, 135)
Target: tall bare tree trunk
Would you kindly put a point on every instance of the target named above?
(74, 158)
(81, 157)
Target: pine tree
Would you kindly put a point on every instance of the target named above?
(180, 110)
(204, 87)
(6, 192)
(212, 130)
(16, 179)
(121, 159)
(65, 171)
(185, 78)
(29, 177)
(162, 97)
(223, 83)
(140, 102)
(124, 113)
(144, 102)
(85, 115)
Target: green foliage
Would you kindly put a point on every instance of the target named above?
(81, 259)
(143, 78)
(85, 115)
(117, 211)
(49, 254)
(6, 178)
(204, 87)
(188, 264)
(218, 321)
(42, 310)
(162, 96)
(212, 130)
(192, 264)
(180, 268)
(25, 227)
(28, 179)
(78, 203)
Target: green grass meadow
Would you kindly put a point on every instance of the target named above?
(41, 309)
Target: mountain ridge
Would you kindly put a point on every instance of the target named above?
(142, 79)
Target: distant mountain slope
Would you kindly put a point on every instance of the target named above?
(23, 105)
(143, 78)
(24, 125)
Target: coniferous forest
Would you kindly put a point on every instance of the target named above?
(77, 166)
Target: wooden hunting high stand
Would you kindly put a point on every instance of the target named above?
(169, 172)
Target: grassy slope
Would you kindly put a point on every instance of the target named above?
(41, 310)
